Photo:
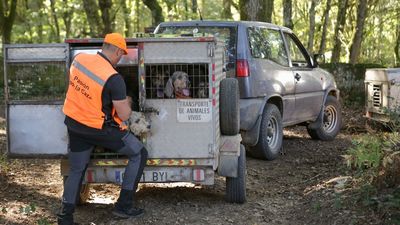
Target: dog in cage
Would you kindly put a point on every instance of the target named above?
(158, 85)
(202, 92)
(178, 85)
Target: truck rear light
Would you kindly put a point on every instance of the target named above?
(242, 68)
(198, 175)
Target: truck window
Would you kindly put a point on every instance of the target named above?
(297, 54)
(267, 44)
(225, 34)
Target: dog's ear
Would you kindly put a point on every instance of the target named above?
(169, 89)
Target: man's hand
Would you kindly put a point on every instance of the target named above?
(123, 108)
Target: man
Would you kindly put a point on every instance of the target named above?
(96, 107)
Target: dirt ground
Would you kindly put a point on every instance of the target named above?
(307, 184)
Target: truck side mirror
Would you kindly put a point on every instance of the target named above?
(319, 59)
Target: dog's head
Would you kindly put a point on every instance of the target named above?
(138, 123)
(178, 85)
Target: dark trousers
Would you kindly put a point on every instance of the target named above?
(81, 146)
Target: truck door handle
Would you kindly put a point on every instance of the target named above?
(297, 76)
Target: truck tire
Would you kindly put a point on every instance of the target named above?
(332, 121)
(236, 186)
(84, 193)
(229, 106)
(271, 134)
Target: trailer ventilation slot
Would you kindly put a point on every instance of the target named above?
(165, 81)
(376, 97)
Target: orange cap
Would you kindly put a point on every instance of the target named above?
(117, 40)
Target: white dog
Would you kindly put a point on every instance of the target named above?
(138, 123)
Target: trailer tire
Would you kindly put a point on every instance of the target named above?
(270, 136)
(229, 106)
(84, 192)
(332, 121)
(236, 186)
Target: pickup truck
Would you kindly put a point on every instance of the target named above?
(280, 83)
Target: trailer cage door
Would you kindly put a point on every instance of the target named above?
(35, 78)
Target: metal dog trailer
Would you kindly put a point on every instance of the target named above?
(185, 143)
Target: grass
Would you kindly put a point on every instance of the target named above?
(369, 157)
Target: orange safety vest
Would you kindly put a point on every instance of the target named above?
(87, 77)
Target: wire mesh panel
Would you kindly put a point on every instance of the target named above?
(36, 72)
(177, 81)
(36, 81)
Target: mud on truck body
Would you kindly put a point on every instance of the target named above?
(191, 139)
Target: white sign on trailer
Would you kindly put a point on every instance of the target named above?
(194, 110)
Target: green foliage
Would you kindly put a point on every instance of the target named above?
(394, 114)
(338, 203)
(317, 207)
(368, 151)
(367, 194)
(4, 166)
(43, 221)
(28, 210)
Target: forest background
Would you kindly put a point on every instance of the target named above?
(347, 31)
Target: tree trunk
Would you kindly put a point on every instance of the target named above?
(358, 36)
(310, 45)
(340, 22)
(226, 9)
(156, 11)
(126, 9)
(38, 9)
(287, 14)
(397, 46)
(170, 5)
(57, 26)
(194, 9)
(256, 10)
(93, 17)
(137, 16)
(7, 18)
(325, 27)
(67, 17)
(269, 10)
(185, 2)
(105, 8)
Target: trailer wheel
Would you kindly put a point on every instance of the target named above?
(84, 192)
(271, 134)
(236, 186)
(332, 121)
(229, 106)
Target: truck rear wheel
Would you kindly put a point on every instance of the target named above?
(229, 106)
(236, 186)
(84, 193)
(331, 123)
(271, 134)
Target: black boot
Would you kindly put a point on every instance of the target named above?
(65, 217)
(124, 206)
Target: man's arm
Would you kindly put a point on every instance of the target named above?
(123, 108)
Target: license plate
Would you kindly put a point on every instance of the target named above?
(147, 176)
(154, 176)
